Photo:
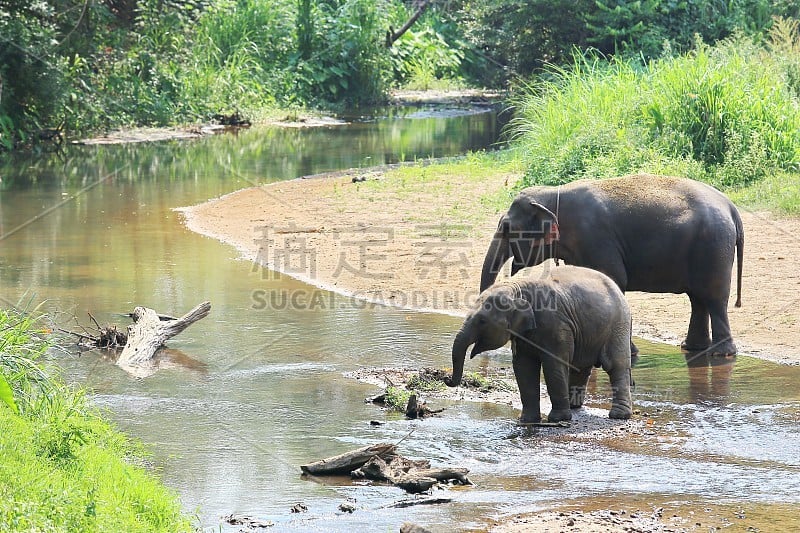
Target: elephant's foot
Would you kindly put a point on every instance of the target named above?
(693, 348)
(530, 418)
(725, 348)
(620, 412)
(695, 345)
(559, 415)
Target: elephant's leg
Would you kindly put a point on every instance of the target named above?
(721, 338)
(527, 369)
(697, 339)
(615, 360)
(556, 366)
(621, 404)
(614, 268)
(577, 386)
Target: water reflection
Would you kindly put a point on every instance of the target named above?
(709, 377)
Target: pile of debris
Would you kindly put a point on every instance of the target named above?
(381, 462)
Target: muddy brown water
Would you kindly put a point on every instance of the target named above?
(253, 392)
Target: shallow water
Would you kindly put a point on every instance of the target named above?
(250, 394)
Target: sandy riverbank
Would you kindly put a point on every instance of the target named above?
(420, 243)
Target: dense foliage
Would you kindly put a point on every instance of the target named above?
(517, 37)
(81, 66)
(64, 467)
(92, 65)
(728, 114)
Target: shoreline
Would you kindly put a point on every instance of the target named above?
(384, 219)
(288, 118)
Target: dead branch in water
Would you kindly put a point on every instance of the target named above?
(415, 409)
(141, 340)
(148, 332)
(348, 461)
(380, 462)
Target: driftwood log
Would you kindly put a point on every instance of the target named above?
(380, 462)
(347, 462)
(149, 332)
(411, 476)
(402, 504)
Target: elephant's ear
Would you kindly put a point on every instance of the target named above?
(548, 222)
(522, 317)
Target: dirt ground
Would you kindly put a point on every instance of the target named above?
(606, 516)
(418, 244)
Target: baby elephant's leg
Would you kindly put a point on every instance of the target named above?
(556, 369)
(621, 388)
(616, 361)
(527, 368)
(577, 386)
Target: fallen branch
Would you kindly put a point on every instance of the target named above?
(380, 462)
(349, 461)
(411, 476)
(414, 409)
(148, 332)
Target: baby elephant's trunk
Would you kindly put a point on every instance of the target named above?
(460, 345)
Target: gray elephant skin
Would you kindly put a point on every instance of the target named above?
(562, 326)
(648, 233)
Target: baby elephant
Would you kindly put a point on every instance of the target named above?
(564, 324)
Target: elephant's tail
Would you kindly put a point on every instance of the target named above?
(739, 255)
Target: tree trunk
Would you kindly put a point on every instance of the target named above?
(392, 36)
(148, 333)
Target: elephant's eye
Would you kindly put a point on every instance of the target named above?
(481, 320)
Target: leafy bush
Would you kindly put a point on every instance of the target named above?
(30, 83)
(397, 398)
(725, 114)
(420, 58)
(511, 38)
(348, 62)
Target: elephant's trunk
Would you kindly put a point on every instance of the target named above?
(498, 254)
(460, 345)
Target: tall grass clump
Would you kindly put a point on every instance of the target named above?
(64, 467)
(725, 114)
(236, 60)
(575, 121)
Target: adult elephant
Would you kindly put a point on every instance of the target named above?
(648, 233)
(562, 326)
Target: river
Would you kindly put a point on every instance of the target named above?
(251, 393)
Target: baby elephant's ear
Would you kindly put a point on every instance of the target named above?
(522, 319)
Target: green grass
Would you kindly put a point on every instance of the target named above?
(778, 192)
(483, 383)
(64, 467)
(728, 115)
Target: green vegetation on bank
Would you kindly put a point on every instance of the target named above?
(65, 468)
(86, 66)
(76, 66)
(728, 115)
